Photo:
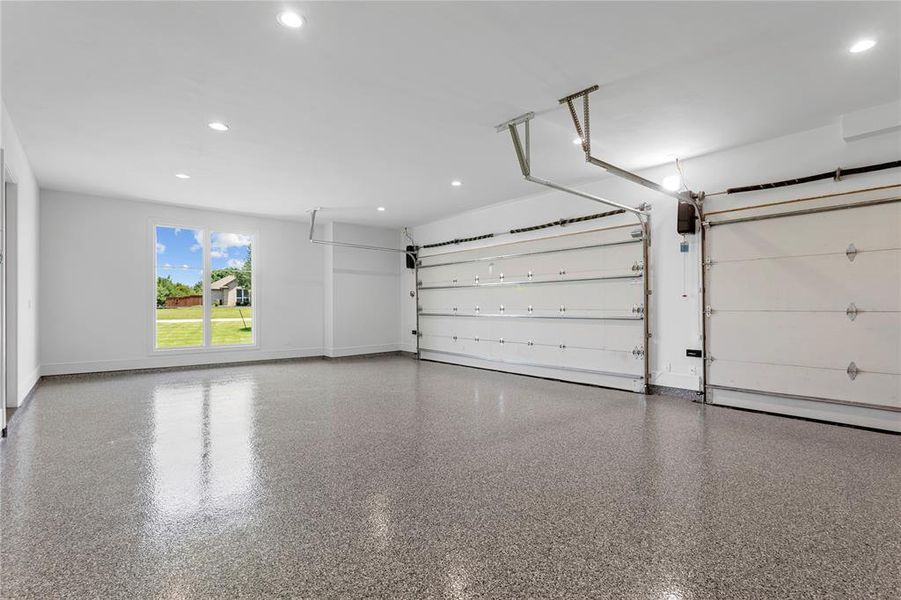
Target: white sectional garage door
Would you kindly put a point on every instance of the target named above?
(804, 312)
(568, 307)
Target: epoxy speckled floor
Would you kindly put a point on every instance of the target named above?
(388, 478)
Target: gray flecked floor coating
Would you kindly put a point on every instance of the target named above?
(388, 478)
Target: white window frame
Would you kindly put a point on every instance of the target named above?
(206, 232)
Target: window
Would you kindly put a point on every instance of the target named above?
(231, 280)
(179, 288)
(196, 310)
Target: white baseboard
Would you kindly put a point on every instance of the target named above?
(177, 360)
(26, 386)
(355, 350)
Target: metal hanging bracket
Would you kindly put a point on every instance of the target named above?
(852, 371)
(851, 252)
(583, 130)
(851, 311)
(348, 244)
(522, 147)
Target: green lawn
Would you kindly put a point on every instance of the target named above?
(196, 312)
(181, 335)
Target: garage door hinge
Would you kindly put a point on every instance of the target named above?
(637, 309)
(638, 352)
(851, 252)
(851, 311)
(707, 263)
(853, 371)
(708, 311)
(637, 267)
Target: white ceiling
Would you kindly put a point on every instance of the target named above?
(383, 104)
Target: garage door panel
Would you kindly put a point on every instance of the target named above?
(809, 339)
(601, 298)
(808, 283)
(564, 359)
(613, 336)
(597, 262)
(868, 228)
(852, 414)
(872, 389)
(562, 242)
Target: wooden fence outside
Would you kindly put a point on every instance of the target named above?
(181, 301)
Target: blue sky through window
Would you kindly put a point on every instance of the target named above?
(228, 250)
(179, 254)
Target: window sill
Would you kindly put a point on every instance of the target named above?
(203, 349)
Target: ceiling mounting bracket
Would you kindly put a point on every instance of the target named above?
(350, 245)
(522, 147)
(583, 130)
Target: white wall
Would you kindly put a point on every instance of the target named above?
(97, 280)
(362, 291)
(24, 317)
(675, 300)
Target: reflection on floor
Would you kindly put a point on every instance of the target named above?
(388, 478)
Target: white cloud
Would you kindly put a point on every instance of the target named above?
(224, 241)
(160, 248)
(177, 230)
(234, 263)
(220, 242)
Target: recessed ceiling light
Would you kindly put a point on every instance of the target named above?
(381, 209)
(861, 46)
(182, 175)
(456, 183)
(672, 182)
(291, 19)
(217, 126)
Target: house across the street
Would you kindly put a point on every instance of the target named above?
(227, 292)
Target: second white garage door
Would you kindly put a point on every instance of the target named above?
(804, 312)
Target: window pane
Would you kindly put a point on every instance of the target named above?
(179, 287)
(231, 293)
